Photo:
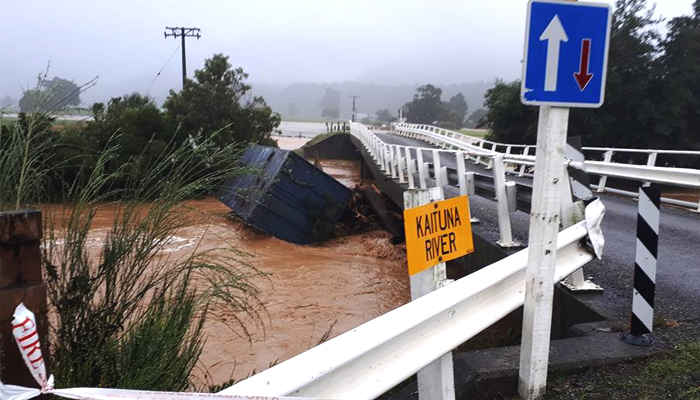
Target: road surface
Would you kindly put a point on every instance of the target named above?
(678, 276)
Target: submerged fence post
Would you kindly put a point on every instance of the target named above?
(642, 319)
(20, 282)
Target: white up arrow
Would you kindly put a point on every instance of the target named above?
(554, 34)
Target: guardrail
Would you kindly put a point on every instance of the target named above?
(376, 356)
(407, 165)
(524, 156)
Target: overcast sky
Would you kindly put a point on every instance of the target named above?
(278, 42)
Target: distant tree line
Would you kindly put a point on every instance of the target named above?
(427, 107)
(50, 95)
(214, 105)
(652, 95)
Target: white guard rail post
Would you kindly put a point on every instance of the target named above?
(604, 179)
(499, 180)
(367, 361)
(477, 150)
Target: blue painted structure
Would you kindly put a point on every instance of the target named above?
(580, 21)
(285, 196)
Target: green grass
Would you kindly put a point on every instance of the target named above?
(313, 119)
(321, 137)
(479, 133)
(675, 375)
(7, 121)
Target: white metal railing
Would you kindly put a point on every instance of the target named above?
(398, 162)
(367, 361)
(524, 155)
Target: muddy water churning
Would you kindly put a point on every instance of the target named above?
(346, 282)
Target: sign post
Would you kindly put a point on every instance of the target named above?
(565, 60)
(436, 231)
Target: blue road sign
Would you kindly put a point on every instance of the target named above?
(566, 53)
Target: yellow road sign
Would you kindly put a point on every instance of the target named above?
(437, 232)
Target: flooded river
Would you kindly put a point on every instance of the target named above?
(340, 284)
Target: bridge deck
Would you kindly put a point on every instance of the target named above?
(678, 280)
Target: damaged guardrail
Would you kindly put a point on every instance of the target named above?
(376, 356)
(369, 360)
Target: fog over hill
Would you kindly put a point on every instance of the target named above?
(301, 100)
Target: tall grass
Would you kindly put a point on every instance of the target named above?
(26, 146)
(110, 301)
(124, 313)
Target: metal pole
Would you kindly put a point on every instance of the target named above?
(184, 61)
(544, 226)
(183, 33)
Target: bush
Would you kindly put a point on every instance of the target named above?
(128, 304)
(124, 315)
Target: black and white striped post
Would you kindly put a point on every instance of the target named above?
(645, 268)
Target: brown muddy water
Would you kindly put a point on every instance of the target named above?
(340, 284)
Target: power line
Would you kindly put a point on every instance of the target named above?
(183, 33)
(161, 70)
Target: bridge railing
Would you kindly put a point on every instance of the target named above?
(369, 360)
(408, 165)
(522, 156)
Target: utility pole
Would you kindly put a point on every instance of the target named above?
(183, 33)
(354, 112)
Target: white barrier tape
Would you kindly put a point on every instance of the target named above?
(11, 392)
(27, 337)
(595, 211)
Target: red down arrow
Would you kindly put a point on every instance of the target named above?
(582, 76)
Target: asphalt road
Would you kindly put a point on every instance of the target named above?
(677, 304)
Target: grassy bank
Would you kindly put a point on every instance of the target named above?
(675, 375)
(479, 133)
(312, 119)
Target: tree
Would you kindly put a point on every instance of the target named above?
(214, 101)
(426, 107)
(330, 104)
(454, 112)
(626, 119)
(385, 116)
(133, 123)
(679, 66)
(50, 95)
(507, 119)
(475, 119)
